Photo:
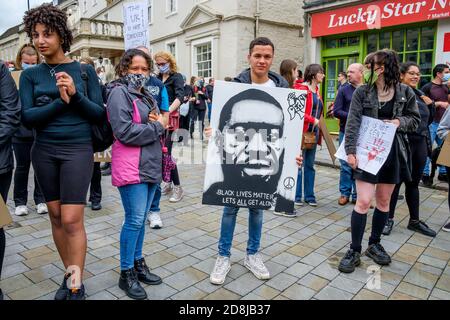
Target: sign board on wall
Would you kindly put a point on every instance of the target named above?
(135, 24)
(377, 15)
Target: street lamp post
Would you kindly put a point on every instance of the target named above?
(28, 2)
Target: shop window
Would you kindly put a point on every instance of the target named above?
(342, 42)
(427, 38)
(331, 43)
(398, 41)
(412, 39)
(385, 40)
(372, 43)
(412, 44)
(412, 56)
(353, 41)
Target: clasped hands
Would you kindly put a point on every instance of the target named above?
(66, 86)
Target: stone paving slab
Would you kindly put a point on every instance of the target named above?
(302, 254)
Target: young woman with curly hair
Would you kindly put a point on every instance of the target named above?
(386, 99)
(138, 125)
(56, 104)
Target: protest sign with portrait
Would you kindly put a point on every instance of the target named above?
(257, 133)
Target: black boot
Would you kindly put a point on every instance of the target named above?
(1, 295)
(129, 283)
(144, 273)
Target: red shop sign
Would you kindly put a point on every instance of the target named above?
(377, 15)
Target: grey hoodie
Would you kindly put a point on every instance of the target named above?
(136, 152)
(245, 77)
(444, 125)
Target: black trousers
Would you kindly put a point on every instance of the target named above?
(5, 183)
(419, 151)
(22, 153)
(96, 185)
(200, 116)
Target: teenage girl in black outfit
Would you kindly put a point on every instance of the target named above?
(383, 98)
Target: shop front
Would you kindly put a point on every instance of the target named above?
(344, 32)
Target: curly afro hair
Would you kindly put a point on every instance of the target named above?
(54, 18)
(127, 58)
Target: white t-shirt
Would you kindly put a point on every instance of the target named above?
(269, 83)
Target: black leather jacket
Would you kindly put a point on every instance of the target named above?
(365, 103)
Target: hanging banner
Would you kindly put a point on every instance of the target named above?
(377, 15)
(135, 25)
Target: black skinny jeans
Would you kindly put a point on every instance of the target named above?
(5, 183)
(419, 151)
(22, 153)
(200, 116)
(96, 185)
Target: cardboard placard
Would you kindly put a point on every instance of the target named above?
(328, 139)
(104, 156)
(5, 216)
(16, 77)
(444, 156)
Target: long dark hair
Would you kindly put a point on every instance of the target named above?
(127, 58)
(311, 72)
(388, 59)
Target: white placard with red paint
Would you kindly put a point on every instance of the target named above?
(373, 146)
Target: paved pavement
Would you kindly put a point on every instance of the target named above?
(302, 253)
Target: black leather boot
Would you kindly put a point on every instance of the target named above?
(129, 283)
(144, 273)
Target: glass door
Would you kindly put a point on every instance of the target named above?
(332, 67)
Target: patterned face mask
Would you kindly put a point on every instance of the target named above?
(137, 81)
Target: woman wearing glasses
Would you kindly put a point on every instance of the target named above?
(420, 145)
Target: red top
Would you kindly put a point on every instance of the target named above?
(309, 119)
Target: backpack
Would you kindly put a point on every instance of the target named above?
(101, 133)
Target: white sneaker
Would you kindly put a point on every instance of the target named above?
(166, 188)
(41, 208)
(155, 220)
(21, 211)
(177, 194)
(220, 271)
(255, 264)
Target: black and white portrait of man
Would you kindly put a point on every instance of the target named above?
(254, 133)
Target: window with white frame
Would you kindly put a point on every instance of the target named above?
(203, 60)
(84, 6)
(150, 11)
(171, 6)
(172, 48)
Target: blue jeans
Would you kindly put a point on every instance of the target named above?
(347, 184)
(433, 132)
(255, 219)
(310, 175)
(209, 111)
(156, 199)
(136, 201)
